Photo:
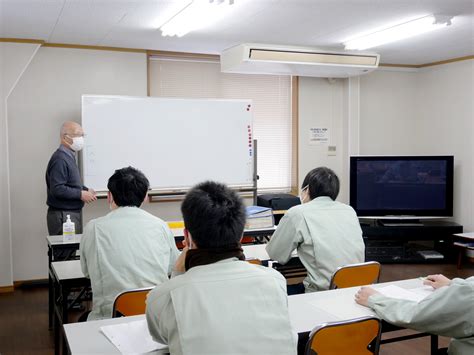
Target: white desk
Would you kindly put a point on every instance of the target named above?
(465, 235)
(309, 309)
(463, 238)
(66, 276)
(71, 269)
(58, 240)
(86, 338)
(67, 270)
(59, 250)
(258, 251)
(306, 311)
(179, 234)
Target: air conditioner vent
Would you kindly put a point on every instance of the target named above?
(303, 61)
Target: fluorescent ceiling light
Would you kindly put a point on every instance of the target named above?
(194, 15)
(398, 32)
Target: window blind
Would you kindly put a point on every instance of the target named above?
(271, 97)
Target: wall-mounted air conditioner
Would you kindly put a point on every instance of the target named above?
(300, 61)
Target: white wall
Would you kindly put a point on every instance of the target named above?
(445, 125)
(13, 60)
(388, 115)
(321, 105)
(394, 112)
(48, 94)
(428, 111)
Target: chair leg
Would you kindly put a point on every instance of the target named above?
(434, 344)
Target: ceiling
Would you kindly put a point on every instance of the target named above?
(319, 23)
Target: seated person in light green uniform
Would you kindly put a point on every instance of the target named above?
(325, 233)
(128, 248)
(448, 311)
(218, 303)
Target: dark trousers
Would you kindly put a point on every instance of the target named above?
(295, 289)
(56, 218)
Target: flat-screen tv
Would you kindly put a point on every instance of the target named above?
(398, 186)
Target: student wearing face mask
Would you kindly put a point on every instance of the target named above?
(326, 233)
(66, 194)
(127, 248)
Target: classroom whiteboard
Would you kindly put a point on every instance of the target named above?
(175, 142)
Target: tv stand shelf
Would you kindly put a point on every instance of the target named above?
(399, 244)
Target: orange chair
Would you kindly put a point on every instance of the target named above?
(254, 261)
(130, 303)
(360, 336)
(355, 275)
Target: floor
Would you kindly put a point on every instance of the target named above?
(24, 314)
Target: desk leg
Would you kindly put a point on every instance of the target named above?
(460, 258)
(56, 335)
(50, 301)
(302, 341)
(50, 290)
(434, 344)
(65, 310)
(56, 320)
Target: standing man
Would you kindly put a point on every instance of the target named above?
(66, 193)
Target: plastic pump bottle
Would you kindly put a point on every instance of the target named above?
(69, 229)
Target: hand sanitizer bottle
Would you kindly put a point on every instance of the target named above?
(69, 230)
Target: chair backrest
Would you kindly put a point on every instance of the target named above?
(360, 336)
(130, 303)
(254, 261)
(355, 275)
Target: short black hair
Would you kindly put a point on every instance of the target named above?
(214, 215)
(322, 181)
(128, 187)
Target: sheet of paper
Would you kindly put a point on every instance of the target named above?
(131, 337)
(342, 306)
(416, 294)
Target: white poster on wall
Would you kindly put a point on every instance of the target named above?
(318, 135)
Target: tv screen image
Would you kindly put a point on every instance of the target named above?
(402, 185)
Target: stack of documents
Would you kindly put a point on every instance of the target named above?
(131, 337)
(259, 217)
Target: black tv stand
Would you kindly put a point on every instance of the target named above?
(401, 243)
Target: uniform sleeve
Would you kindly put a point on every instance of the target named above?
(58, 178)
(86, 247)
(448, 311)
(174, 252)
(469, 280)
(160, 317)
(285, 239)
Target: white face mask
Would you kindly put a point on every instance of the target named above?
(77, 143)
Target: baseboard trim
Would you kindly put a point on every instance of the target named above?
(30, 283)
(7, 289)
